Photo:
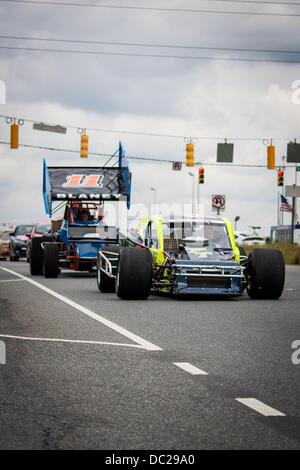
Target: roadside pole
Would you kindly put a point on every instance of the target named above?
(294, 208)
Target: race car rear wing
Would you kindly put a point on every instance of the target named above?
(87, 183)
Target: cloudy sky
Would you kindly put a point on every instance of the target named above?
(117, 93)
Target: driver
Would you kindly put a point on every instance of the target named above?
(84, 215)
(213, 236)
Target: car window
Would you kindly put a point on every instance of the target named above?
(151, 238)
(42, 228)
(22, 229)
(5, 236)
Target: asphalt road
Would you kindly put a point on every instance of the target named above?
(113, 379)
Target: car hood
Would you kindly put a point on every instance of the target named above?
(21, 238)
(206, 253)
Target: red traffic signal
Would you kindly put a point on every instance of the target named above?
(201, 175)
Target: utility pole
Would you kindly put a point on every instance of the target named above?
(283, 158)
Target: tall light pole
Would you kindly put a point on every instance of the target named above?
(193, 190)
(154, 191)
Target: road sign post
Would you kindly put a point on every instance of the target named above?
(218, 202)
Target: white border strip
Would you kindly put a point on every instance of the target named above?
(62, 340)
(260, 407)
(190, 368)
(113, 326)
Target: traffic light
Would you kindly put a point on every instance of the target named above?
(201, 175)
(189, 154)
(84, 146)
(280, 178)
(14, 136)
(271, 157)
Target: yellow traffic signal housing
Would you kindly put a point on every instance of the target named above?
(280, 178)
(201, 175)
(14, 136)
(84, 146)
(189, 154)
(271, 157)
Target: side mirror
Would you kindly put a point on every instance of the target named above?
(28, 235)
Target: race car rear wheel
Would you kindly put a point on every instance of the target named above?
(266, 273)
(36, 257)
(134, 276)
(51, 267)
(104, 282)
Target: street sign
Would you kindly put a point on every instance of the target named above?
(40, 126)
(297, 168)
(292, 191)
(225, 153)
(177, 166)
(218, 202)
(293, 153)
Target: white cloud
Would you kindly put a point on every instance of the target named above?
(164, 96)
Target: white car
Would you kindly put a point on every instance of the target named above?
(240, 236)
(253, 240)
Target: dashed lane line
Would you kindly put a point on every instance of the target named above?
(190, 368)
(260, 407)
(113, 326)
(63, 340)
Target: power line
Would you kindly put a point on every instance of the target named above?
(159, 9)
(255, 2)
(149, 134)
(165, 46)
(163, 56)
(151, 159)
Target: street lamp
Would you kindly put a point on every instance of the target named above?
(237, 218)
(154, 191)
(193, 190)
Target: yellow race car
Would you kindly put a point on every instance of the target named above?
(187, 256)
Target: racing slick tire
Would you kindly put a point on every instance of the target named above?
(266, 273)
(104, 282)
(36, 257)
(134, 275)
(50, 265)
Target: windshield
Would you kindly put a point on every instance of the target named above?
(22, 229)
(198, 234)
(42, 228)
(5, 236)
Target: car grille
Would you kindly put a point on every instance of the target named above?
(202, 281)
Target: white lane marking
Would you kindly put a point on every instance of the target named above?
(260, 407)
(11, 280)
(62, 340)
(190, 368)
(119, 329)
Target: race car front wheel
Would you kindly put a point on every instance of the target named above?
(134, 276)
(266, 273)
(104, 282)
(36, 257)
(51, 267)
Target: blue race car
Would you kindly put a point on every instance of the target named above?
(75, 240)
